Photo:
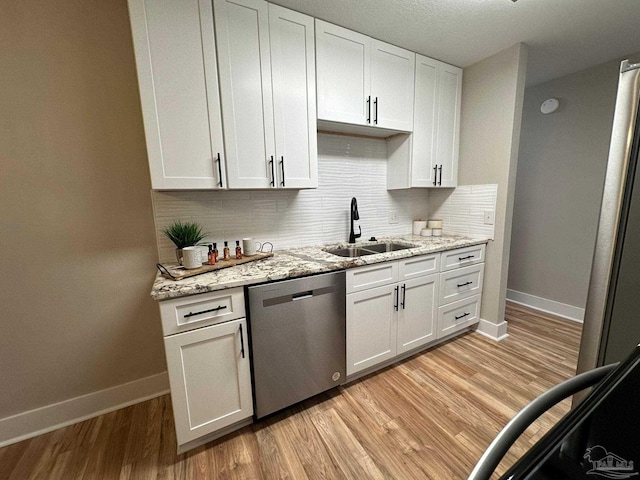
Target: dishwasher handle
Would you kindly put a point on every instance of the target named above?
(298, 296)
(302, 295)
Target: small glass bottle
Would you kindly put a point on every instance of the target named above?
(212, 256)
(238, 250)
(225, 251)
(215, 252)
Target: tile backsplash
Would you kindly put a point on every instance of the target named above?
(348, 167)
(462, 209)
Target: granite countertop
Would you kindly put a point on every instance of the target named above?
(299, 262)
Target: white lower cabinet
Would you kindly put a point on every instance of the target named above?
(385, 321)
(371, 327)
(416, 312)
(398, 307)
(209, 374)
(460, 289)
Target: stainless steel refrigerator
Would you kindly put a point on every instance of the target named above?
(612, 313)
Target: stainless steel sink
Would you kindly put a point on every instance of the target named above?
(350, 252)
(372, 249)
(387, 247)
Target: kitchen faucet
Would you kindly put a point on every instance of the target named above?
(354, 216)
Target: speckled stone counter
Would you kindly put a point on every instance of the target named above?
(299, 262)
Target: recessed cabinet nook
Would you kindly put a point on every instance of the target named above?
(233, 93)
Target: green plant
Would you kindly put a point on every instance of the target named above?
(184, 234)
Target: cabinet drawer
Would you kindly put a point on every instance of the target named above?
(462, 257)
(461, 283)
(182, 314)
(418, 266)
(458, 315)
(363, 278)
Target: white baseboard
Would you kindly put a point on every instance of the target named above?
(563, 310)
(52, 417)
(492, 330)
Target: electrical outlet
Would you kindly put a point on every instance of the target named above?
(489, 217)
(393, 217)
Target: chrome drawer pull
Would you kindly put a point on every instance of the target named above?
(462, 316)
(222, 307)
(464, 284)
(465, 258)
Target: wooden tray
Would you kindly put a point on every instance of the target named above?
(177, 272)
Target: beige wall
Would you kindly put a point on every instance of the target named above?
(562, 162)
(492, 96)
(78, 245)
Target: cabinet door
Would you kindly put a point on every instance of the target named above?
(417, 312)
(448, 137)
(371, 327)
(294, 97)
(423, 155)
(210, 378)
(343, 74)
(392, 86)
(177, 74)
(242, 28)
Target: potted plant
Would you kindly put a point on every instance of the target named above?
(183, 234)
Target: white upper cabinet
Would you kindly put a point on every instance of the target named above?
(392, 78)
(362, 81)
(429, 156)
(294, 97)
(448, 123)
(267, 74)
(177, 75)
(344, 74)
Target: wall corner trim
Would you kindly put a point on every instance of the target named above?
(497, 332)
(570, 312)
(38, 421)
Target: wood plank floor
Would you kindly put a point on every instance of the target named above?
(430, 416)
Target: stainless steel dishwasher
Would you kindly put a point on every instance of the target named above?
(298, 339)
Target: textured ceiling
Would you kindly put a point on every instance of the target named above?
(563, 36)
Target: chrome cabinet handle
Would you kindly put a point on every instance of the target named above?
(217, 309)
(466, 314)
(219, 170)
(241, 342)
(282, 166)
(273, 173)
(464, 284)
